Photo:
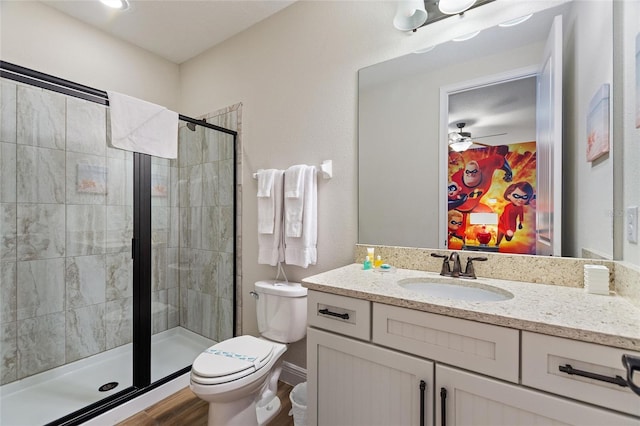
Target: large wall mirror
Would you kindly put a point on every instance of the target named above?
(408, 107)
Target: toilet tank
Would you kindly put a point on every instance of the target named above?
(282, 310)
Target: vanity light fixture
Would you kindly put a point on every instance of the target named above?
(413, 14)
(514, 22)
(116, 4)
(410, 15)
(453, 7)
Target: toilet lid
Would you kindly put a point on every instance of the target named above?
(237, 357)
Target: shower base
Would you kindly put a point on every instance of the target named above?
(49, 395)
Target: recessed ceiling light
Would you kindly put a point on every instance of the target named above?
(516, 21)
(467, 36)
(116, 4)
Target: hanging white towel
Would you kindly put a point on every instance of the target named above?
(294, 188)
(271, 246)
(266, 200)
(142, 126)
(293, 181)
(301, 251)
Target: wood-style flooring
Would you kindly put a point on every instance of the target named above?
(183, 408)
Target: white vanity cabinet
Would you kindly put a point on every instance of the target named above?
(366, 361)
(472, 400)
(357, 383)
(353, 382)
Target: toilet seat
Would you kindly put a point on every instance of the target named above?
(231, 360)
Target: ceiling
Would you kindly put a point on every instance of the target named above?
(497, 114)
(176, 30)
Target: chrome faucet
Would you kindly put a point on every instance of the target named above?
(456, 271)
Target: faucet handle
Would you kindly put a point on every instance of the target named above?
(446, 269)
(469, 271)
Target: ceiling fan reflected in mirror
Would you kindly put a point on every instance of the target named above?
(461, 141)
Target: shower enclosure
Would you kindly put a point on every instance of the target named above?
(116, 268)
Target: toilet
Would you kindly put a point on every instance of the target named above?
(239, 376)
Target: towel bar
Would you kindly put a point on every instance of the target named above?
(326, 170)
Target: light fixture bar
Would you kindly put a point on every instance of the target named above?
(434, 14)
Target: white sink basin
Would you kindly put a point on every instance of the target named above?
(457, 289)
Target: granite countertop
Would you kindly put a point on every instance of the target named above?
(548, 309)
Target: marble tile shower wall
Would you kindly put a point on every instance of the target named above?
(65, 227)
(203, 211)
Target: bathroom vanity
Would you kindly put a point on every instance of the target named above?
(379, 353)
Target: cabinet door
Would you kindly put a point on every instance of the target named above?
(476, 400)
(356, 383)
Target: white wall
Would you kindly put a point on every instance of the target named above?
(588, 186)
(39, 37)
(296, 76)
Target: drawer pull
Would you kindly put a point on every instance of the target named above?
(631, 363)
(615, 380)
(443, 406)
(333, 314)
(423, 388)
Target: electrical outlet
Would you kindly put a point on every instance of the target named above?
(632, 224)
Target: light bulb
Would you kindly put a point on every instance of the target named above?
(453, 7)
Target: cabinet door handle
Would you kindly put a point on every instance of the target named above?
(615, 380)
(631, 363)
(443, 406)
(325, 311)
(423, 388)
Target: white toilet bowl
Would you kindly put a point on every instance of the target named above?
(234, 377)
(239, 377)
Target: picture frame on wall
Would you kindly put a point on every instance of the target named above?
(159, 186)
(598, 124)
(91, 179)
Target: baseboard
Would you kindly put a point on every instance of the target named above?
(292, 374)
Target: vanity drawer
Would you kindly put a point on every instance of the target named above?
(542, 357)
(483, 348)
(340, 314)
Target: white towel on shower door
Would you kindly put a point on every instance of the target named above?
(142, 126)
(302, 251)
(271, 246)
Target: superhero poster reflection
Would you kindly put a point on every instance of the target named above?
(500, 180)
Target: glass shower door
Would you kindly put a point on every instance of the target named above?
(193, 231)
(65, 227)
(100, 248)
